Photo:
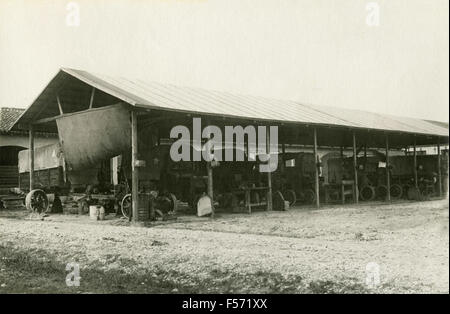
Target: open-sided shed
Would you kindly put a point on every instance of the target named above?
(138, 105)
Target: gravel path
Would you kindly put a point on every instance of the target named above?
(409, 241)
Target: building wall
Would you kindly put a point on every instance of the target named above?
(10, 145)
(22, 140)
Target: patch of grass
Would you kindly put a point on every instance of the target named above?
(332, 287)
(258, 282)
(37, 271)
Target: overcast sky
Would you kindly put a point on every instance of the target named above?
(314, 51)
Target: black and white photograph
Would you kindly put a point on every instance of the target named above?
(221, 154)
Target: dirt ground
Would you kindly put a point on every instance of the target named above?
(302, 250)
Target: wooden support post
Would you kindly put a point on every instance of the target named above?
(210, 186)
(439, 167)
(341, 148)
(365, 156)
(316, 163)
(31, 156)
(355, 167)
(59, 105)
(269, 174)
(209, 170)
(416, 181)
(91, 101)
(248, 200)
(388, 178)
(135, 171)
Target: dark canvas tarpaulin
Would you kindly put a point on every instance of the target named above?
(91, 136)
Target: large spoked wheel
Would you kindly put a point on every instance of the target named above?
(396, 191)
(174, 202)
(278, 201)
(381, 192)
(125, 206)
(36, 201)
(309, 196)
(290, 196)
(367, 193)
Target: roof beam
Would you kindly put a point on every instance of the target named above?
(50, 119)
(91, 102)
(46, 120)
(59, 105)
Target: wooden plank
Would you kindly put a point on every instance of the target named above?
(365, 155)
(59, 105)
(269, 174)
(247, 201)
(416, 181)
(341, 150)
(135, 171)
(439, 167)
(355, 167)
(9, 176)
(388, 178)
(210, 186)
(316, 177)
(91, 101)
(209, 170)
(31, 156)
(50, 119)
(46, 120)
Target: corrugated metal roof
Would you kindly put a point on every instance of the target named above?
(196, 100)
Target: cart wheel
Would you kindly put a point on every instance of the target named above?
(367, 193)
(174, 202)
(381, 191)
(278, 201)
(290, 196)
(36, 201)
(309, 196)
(396, 191)
(126, 206)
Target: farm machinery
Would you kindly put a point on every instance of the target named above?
(372, 175)
(293, 182)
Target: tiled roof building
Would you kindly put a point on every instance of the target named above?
(8, 116)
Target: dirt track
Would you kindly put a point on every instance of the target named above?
(409, 241)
